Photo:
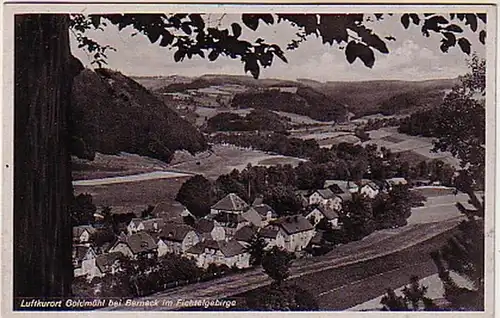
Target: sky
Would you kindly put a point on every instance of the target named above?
(411, 56)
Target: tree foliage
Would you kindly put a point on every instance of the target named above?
(190, 35)
(282, 298)
(196, 195)
(82, 209)
(357, 217)
(276, 263)
(256, 248)
(413, 298)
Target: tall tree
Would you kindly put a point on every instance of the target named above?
(276, 263)
(44, 71)
(357, 217)
(196, 195)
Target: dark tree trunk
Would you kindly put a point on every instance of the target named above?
(44, 70)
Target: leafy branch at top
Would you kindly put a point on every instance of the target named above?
(189, 35)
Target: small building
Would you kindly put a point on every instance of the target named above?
(303, 196)
(368, 188)
(326, 198)
(296, 230)
(83, 233)
(266, 212)
(210, 230)
(230, 204)
(84, 258)
(148, 225)
(108, 263)
(272, 236)
(389, 183)
(341, 186)
(137, 245)
(316, 214)
(229, 253)
(176, 238)
(245, 235)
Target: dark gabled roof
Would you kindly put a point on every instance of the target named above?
(370, 183)
(263, 209)
(198, 248)
(81, 251)
(245, 234)
(252, 216)
(140, 242)
(325, 193)
(205, 226)
(345, 196)
(136, 221)
(231, 202)
(106, 260)
(149, 224)
(268, 232)
(336, 189)
(328, 213)
(294, 224)
(78, 230)
(174, 232)
(168, 211)
(317, 238)
(231, 248)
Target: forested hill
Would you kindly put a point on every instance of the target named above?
(306, 101)
(113, 113)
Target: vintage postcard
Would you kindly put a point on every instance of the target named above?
(248, 158)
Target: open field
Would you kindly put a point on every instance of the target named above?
(223, 159)
(123, 164)
(134, 193)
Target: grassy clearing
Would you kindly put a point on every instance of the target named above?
(280, 161)
(134, 193)
(394, 139)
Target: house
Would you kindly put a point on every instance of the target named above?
(126, 209)
(272, 236)
(368, 188)
(108, 263)
(389, 183)
(266, 212)
(148, 225)
(341, 186)
(172, 212)
(245, 235)
(176, 238)
(296, 230)
(233, 222)
(326, 198)
(317, 213)
(303, 196)
(83, 233)
(229, 253)
(137, 245)
(318, 240)
(230, 204)
(84, 261)
(420, 182)
(210, 230)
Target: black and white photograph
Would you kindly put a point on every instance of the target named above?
(248, 158)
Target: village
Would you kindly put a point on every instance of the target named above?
(223, 237)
